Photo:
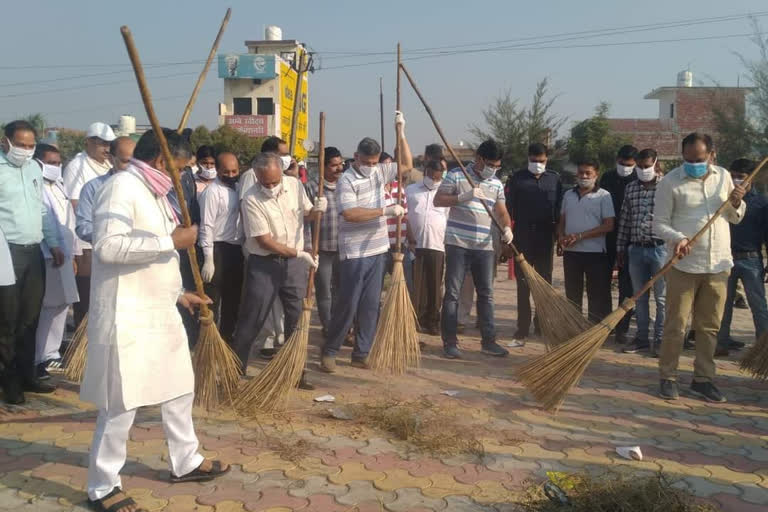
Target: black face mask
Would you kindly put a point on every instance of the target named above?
(229, 181)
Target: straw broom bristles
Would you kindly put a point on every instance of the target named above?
(76, 354)
(558, 317)
(396, 344)
(219, 386)
(271, 388)
(551, 376)
(755, 361)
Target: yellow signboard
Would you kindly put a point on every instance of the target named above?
(287, 90)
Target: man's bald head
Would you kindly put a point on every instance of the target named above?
(121, 150)
(227, 164)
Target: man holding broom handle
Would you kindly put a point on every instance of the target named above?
(363, 245)
(697, 284)
(137, 350)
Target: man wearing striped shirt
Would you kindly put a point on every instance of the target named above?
(363, 245)
(469, 244)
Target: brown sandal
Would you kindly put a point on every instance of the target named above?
(200, 475)
(108, 503)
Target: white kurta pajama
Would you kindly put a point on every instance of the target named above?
(60, 286)
(137, 347)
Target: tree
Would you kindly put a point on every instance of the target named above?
(515, 127)
(757, 71)
(70, 143)
(226, 138)
(593, 138)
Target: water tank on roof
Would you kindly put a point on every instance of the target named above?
(685, 79)
(273, 33)
(127, 125)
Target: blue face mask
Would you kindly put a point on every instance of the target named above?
(695, 170)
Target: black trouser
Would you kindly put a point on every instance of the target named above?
(625, 281)
(268, 278)
(594, 266)
(191, 321)
(537, 247)
(226, 286)
(428, 271)
(83, 282)
(20, 305)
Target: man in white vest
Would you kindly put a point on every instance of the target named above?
(137, 348)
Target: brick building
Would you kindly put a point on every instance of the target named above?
(682, 109)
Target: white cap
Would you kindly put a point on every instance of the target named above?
(102, 131)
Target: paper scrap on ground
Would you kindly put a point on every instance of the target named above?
(325, 398)
(630, 452)
(449, 392)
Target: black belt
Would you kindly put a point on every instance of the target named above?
(24, 246)
(652, 243)
(743, 255)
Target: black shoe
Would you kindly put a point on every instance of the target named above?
(452, 352)
(38, 386)
(267, 353)
(668, 390)
(13, 393)
(740, 302)
(637, 346)
(708, 391)
(42, 372)
(494, 349)
(520, 335)
(735, 345)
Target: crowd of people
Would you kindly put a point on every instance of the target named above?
(104, 238)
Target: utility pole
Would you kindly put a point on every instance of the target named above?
(381, 112)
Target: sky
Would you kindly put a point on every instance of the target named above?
(67, 60)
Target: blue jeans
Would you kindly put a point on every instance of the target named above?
(326, 285)
(644, 262)
(358, 299)
(751, 273)
(458, 261)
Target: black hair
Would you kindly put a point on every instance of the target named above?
(368, 147)
(537, 149)
(627, 152)
(647, 153)
(385, 156)
(42, 149)
(742, 166)
(205, 152)
(18, 126)
(433, 152)
(693, 138)
(490, 150)
(331, 152)
(148, 147)
(589, 162)
(433, 165)
(271, 144)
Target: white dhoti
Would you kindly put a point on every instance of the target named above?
(108, 451)
(50, 332)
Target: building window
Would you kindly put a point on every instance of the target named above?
(243, 106)
(265, 107)
(671, 110)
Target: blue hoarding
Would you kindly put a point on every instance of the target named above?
(248, 65)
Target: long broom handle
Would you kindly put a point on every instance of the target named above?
(453, 153)
(320, 183)
(203, 73)
(675, 258)
(398, 158)
(146, 98)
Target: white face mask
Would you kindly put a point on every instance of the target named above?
(537, 167)
(488, 172)
(274, 191)
(586, 183)
(430, 183)
(624, 170)
(18, 156)
(52, 172)
(735, 182)
(208, 174)
(367, 170)
(648, 174)
(285, 162)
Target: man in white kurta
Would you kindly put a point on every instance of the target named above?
(137, 347)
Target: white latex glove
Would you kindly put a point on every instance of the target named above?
(399, 118)
(507, 237)
(321, 204)
(472, 194)
(394, 210)
(307, 258)
(208, 269)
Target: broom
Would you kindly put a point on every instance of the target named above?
(76, 354)
(755, 361)
(271, 388)
(396, 343)
(550, 377)
(218, 366)
(559, 318)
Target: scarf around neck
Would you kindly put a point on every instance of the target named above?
(158, 182)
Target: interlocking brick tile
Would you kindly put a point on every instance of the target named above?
(316, 485)
(428, 466)
(723, 475)
(491, 492)
(269, 480)
(465, 504)
(354, 471)
(753, 493)
(377, 445)
(409, 500)
(145, 500)
(230, 506)
(224, 491)
(311, 466)
(274, 498)
(324, 503)
(344, 455)
(187, 488)
(443, 485)
(731, 503)
(705, 487)
(268, 461)
(399, 478)
(185, 503)
(390, 461)
(364, 492)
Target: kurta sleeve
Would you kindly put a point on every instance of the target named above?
(84, 214)
(116, 241)
(50, 231)
(663, 208)
(209, 201)
(74, 180)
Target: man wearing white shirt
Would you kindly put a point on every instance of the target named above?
(221, 239)
(686, 199)
(426, 233)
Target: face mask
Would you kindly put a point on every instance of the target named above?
(488, 172)
(738, 182)
(537, 167)
(229, 181)
(430, 183)
(587, 183)
(624, 170)
(18, 156)
(52, 172)
(695, 170)
(208, 174)
(285, 162)
(274, 191)
(367, 170)
(647, 174)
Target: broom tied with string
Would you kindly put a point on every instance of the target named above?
(272, 387)
(551, 376)
(218, 368)
(559, 319)
(396, 343)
